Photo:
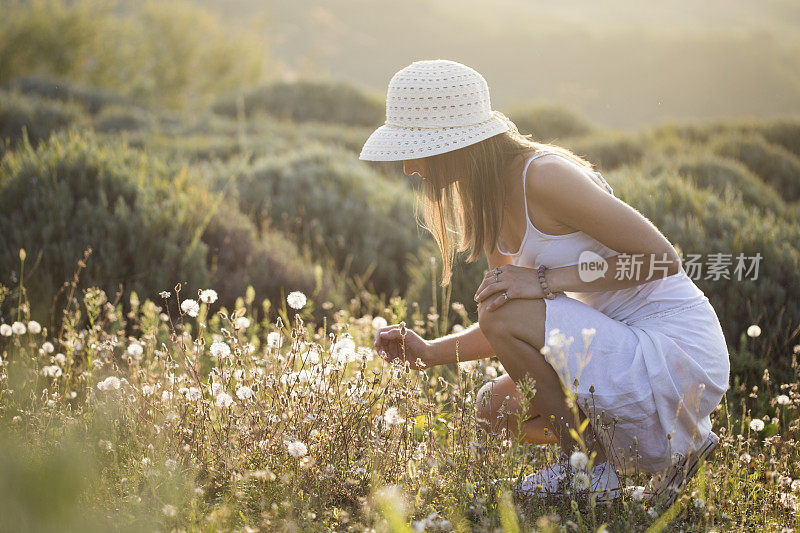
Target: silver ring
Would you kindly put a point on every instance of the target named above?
(505, 295)
(496, 274)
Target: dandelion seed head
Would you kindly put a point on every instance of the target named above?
(48, 347)
(242, 322)
(296, 300)
(379, 322)
(220, 350)
(110, 383)
(392, 417)
(274, 339)
(135, 350)
(224, 400)
(18, 328)
(5, 330)
(297, 448)
(578, 460)
(753, 331)
(190, 307)
(757, 424)
(208, 296)
(782, 399)
(244, 393)
(34, 327)
(193, 394)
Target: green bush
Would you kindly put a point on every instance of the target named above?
(271, 264)
(610, 149)
(91, 99)
(39, 118)
(774, 164)
(716, 173)
(307, 100)
(325, 199)
(548, 123)
(73, 192)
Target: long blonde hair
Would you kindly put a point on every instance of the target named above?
(464, 193)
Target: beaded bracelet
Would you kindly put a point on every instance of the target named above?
(547, 293)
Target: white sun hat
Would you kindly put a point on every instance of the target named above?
(432, 107)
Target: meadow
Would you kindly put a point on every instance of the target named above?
(194, 263)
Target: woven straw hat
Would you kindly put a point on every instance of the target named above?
(433, 107)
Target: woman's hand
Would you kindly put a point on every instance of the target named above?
(398, 341)
(517, 281)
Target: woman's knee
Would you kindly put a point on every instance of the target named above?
(519, 317)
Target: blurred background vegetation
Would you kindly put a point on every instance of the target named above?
(217, 143)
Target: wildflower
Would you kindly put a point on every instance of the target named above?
(165, 294)
(296, 300)
(242, 322)
(753, 331)
(190, 307)
(379, 322)
(52, 371)
(171, 464)
(297, 448)
(111, 382)
(208, 296)
(457, 328)
(363, 353)
(60, 358)
(48, 347)
(135, 350)
(147, 390)
(5, 330)
(224, 400)
(578, 460)
(588, 334)
(238, 374)
(782, 399)
(169, 510)
(581, 480)
(638, 493)
(193, 394)
(34, 327)
(216, 388)
(745, 457)
(467, 366)
(220, 350)
(796, 485)
(274, 339)
(166, 395)
(310, 357)
(491, 372)
(391, 417)
(344, 350)
(18, 328)
(757, 424)
(244, 392)
(699, 503)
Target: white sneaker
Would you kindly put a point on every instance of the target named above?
(602, 480)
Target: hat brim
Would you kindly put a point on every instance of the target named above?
(394, 143)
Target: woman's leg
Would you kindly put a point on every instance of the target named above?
(516, 332)
(493, 415)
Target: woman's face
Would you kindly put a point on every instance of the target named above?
(415, 166)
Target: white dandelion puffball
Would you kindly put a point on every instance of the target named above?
(244, 393)
(208, 296)
(220, 350)
(344, 351)
(297, 448)
(638, 493)
(34, 327)
(757, 424)
(753, 331)
(18, 328)
(135, 350)
(578, 460)
(60, 358)
(216, 388)
(242, 322)
(392, 417)
(110, 383)
(147, 390)
(274, 339)
(169, 510)
(224, 400)
(379, 322)
(296, 300)
(48, 347)
(52, 371)
(190, 307)
(782, 399)
(193, 394)
(5, 330)
(311, 356)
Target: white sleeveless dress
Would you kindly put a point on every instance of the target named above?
(657, 365)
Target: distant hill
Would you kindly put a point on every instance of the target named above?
(622, 64)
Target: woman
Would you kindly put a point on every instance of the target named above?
(587, 266)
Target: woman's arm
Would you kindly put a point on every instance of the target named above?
(472, 343)
(575, 201)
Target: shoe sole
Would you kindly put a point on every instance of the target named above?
(680, 474)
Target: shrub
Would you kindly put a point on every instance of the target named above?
(308, 100)
(329, 201)
(774, 164)
(610, 149)
(710, 171)
(36, 116)
(548, 123)
(91, 99)
(73, 192)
